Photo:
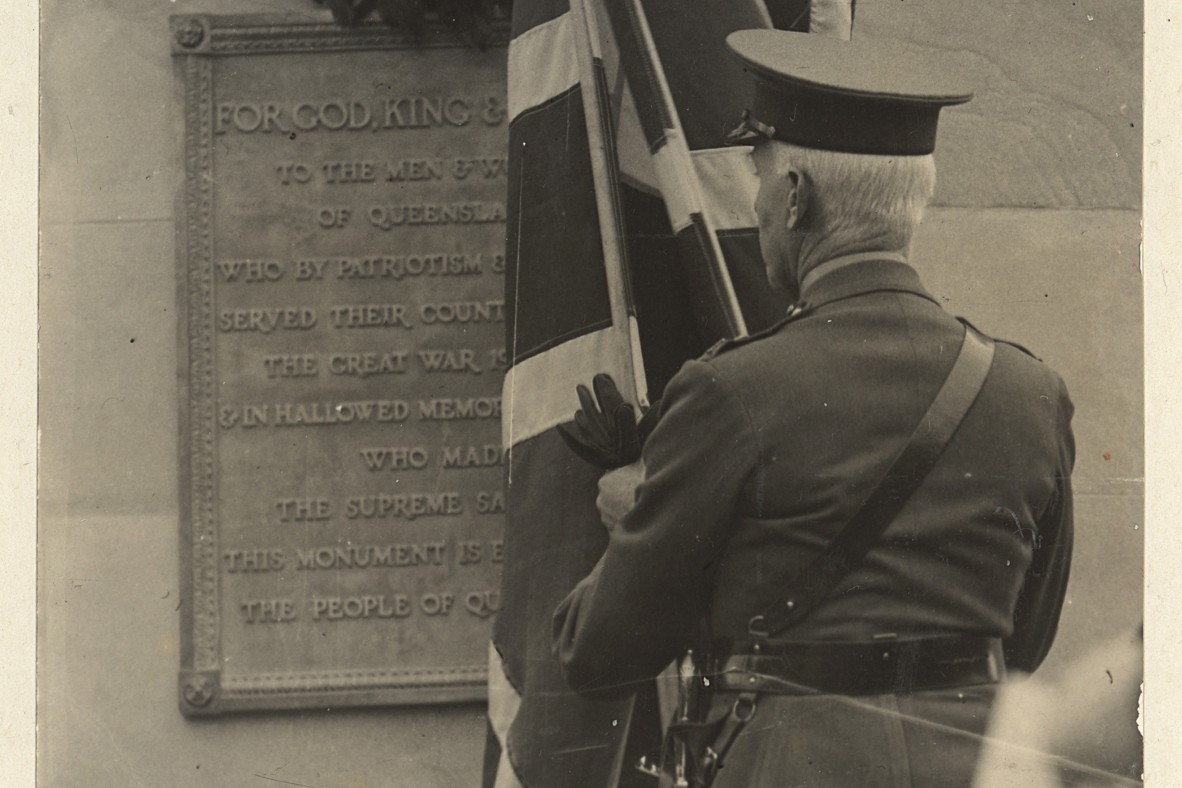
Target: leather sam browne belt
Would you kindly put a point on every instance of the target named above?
(694, 751)
(860, 668)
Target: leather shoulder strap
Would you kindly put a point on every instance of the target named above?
(883, 504)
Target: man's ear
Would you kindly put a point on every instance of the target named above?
(799, 199)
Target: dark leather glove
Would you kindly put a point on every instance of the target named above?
(604, 431)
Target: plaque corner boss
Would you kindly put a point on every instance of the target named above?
(189, 34)
(198, 692)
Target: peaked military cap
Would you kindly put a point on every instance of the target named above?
(817, 91)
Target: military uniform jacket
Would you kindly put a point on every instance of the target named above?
(766, 447)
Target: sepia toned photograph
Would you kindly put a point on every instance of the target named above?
(590, 393)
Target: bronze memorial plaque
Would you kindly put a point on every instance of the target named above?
(341, 283)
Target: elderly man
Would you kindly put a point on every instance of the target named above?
(865, 511)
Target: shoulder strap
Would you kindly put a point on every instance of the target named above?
(881, 506)
(794, 312)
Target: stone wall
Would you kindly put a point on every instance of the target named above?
(1035, 237)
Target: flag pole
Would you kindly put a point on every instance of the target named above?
(603, 170)
(677, 177)
(606, 182)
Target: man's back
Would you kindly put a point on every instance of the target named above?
(764, 451)
(766, 448)
(830, 399)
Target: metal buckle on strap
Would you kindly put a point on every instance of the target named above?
(744, 708)
(757, 627)
(749, 130)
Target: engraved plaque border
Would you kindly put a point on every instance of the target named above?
(203, 688)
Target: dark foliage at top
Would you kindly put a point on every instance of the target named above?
(471, 18)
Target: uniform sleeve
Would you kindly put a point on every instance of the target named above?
(1036, 617)
(638, 608)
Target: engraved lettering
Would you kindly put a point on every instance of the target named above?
(268, 611)
(364, 365)
(291, 366)
(250, 416)
(396, 458)
(266, 320)
(248, 118)
(494, 111)
(251, 270)
(304, 117)
(493, 167)
(349, 171)
(463, 312)
(426, 112)
(371, 556)
(336, 608)
(459, 360)
(271, 119)
(395, 113)
(369, 316)
(457, 112)
(310, 269)
(449, 409)
(333, 116)
(289, 414)
(270, 560)
(405, 112)
(359, 115)
(255, 416)
(486, 456)
(488, 167)
(400, 267)
(404, 506)
(469, 552)
(346, 280)
(224, 114)
(460, 168)
(498, 358)
(387, 217)
(302, 510)
(330, 218)
(437, 604)
(415, 170)
(482, 604)
(490, 502)
(293, 171)
(227, 417)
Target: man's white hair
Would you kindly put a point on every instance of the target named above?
(859, 198)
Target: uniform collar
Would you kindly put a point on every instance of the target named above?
(859, 274)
